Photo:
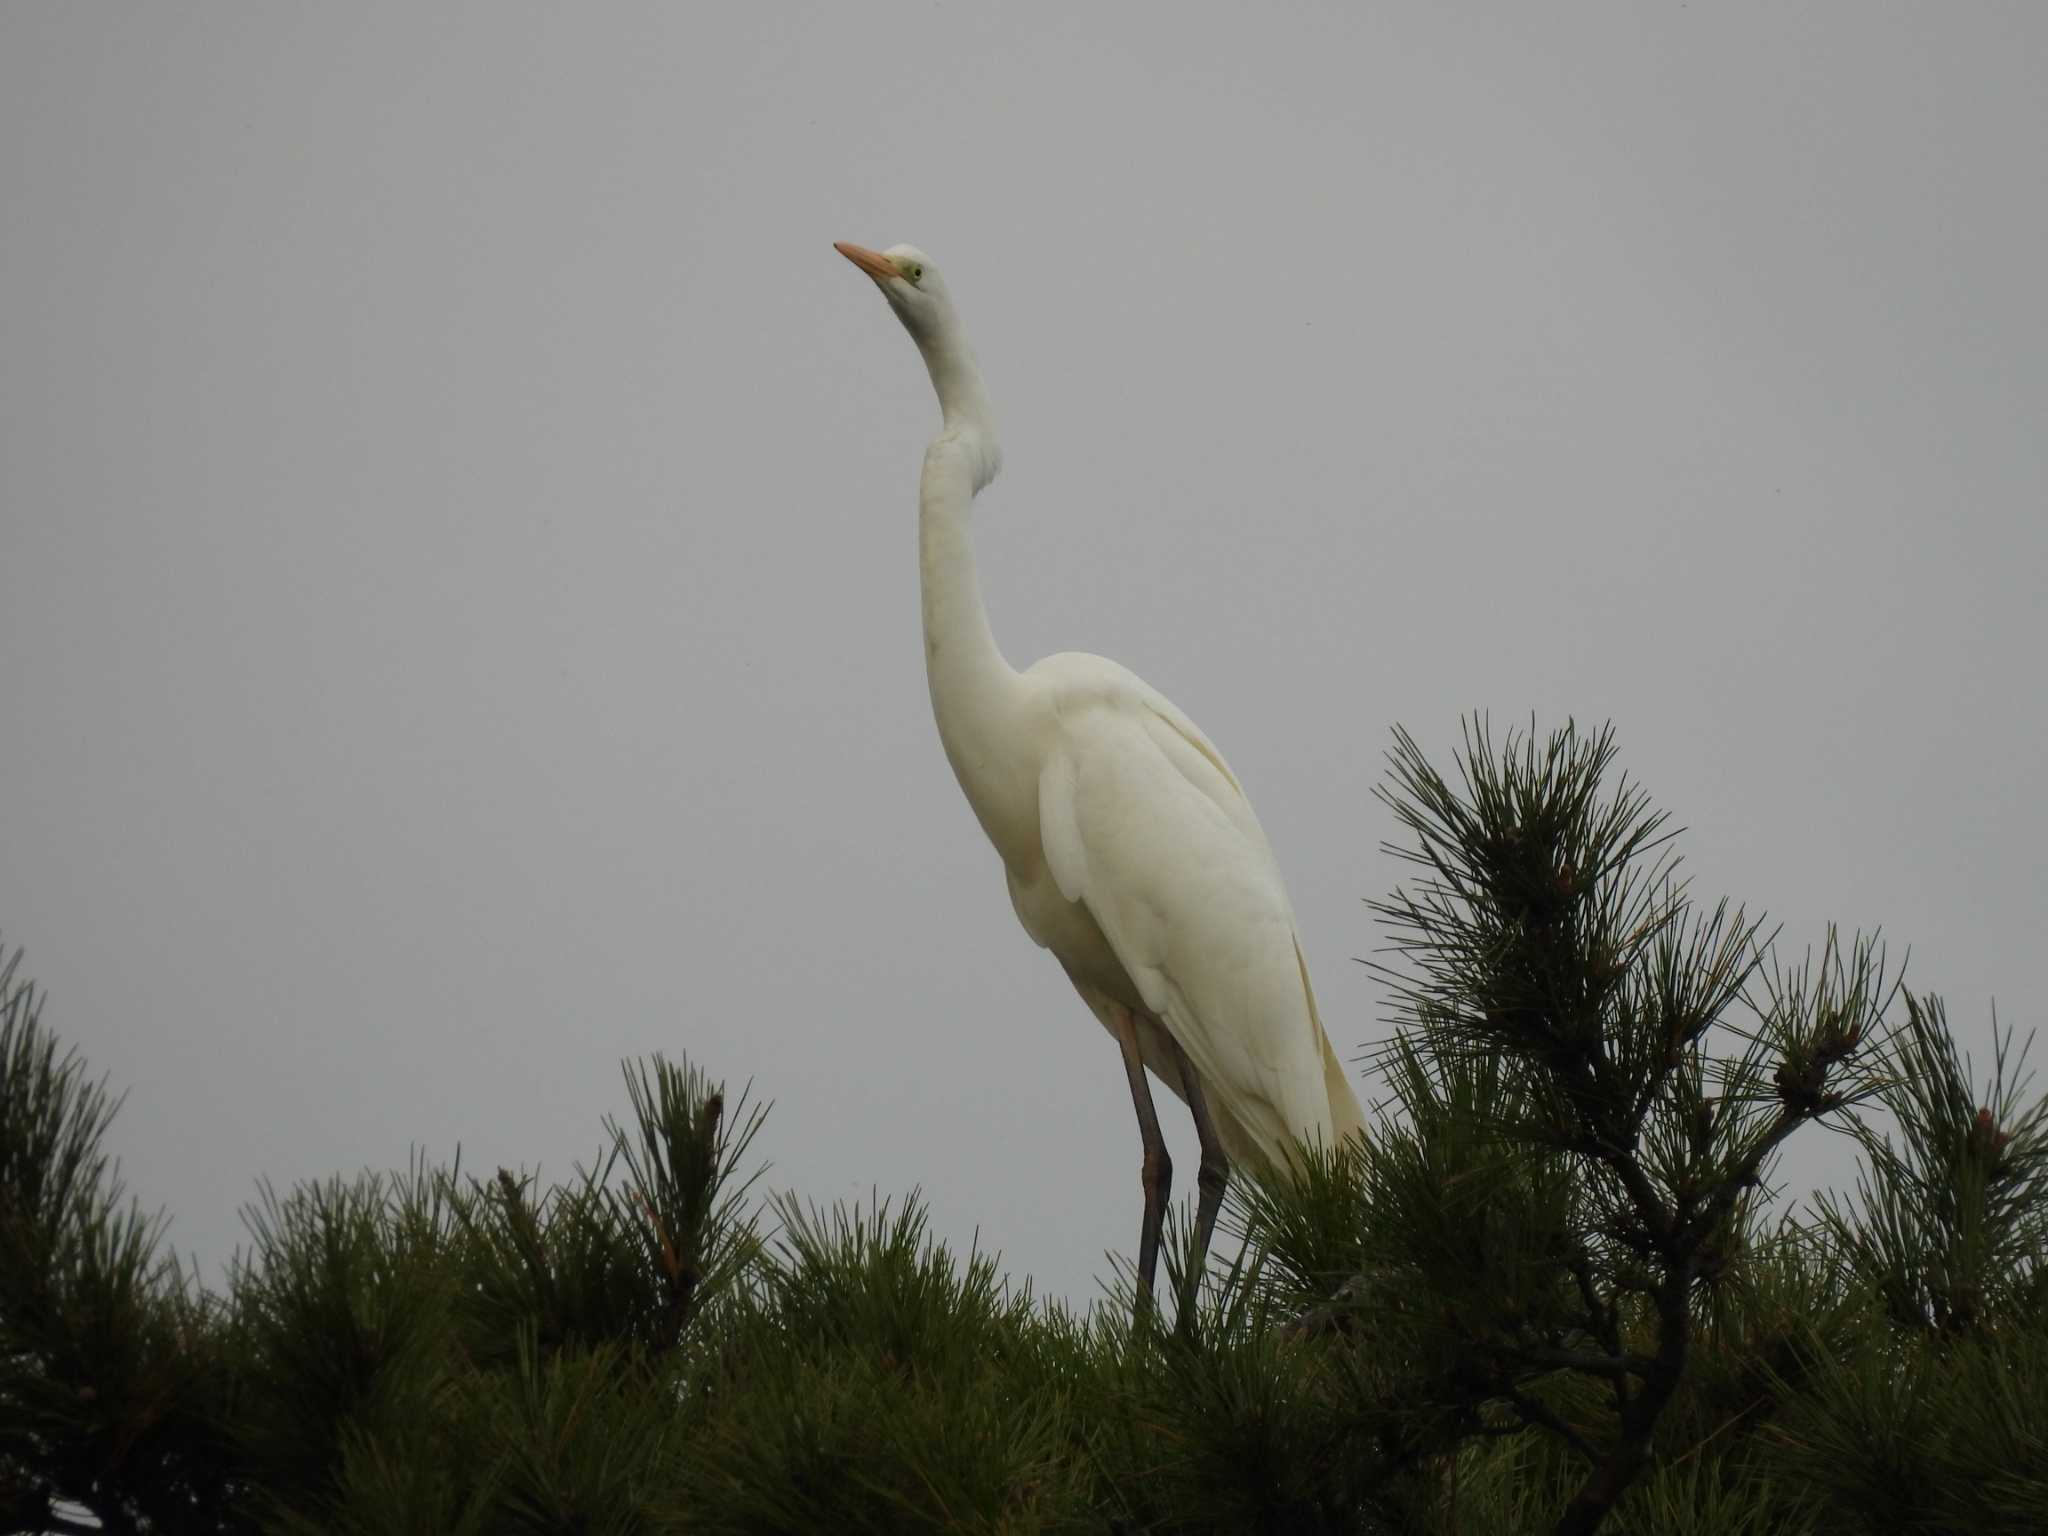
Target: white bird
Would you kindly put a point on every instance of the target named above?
(1130, 849)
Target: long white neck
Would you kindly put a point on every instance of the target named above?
(976, 694)
(963, 398)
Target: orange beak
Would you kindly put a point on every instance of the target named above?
(874, 263)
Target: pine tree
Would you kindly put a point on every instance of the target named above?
(1551, 1292)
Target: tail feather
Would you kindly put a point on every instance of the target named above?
(1347, 1117)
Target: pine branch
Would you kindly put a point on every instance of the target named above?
(1534, 1413)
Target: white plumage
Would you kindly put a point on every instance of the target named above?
(1130, 849)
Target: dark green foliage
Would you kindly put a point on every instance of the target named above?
(1548, 1293)
(1947, 1238)
(114, 1377)
(1950, 1225)
(1597, 1075)
(866, 1381)
(343, 1315)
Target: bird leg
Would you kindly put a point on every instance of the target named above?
(1157, 1173)
(1212, 1180)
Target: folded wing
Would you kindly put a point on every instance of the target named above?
(1144, 825)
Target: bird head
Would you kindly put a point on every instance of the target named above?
(917, 293)
(909, 282)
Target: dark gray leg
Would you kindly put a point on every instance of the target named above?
(1211, 1181)
(1157, 1175)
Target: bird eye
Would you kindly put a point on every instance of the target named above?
(916, 272)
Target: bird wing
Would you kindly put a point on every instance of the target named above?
(1143, 824)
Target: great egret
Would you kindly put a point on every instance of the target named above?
(1130, 849)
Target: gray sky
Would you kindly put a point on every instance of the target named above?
(459, 590)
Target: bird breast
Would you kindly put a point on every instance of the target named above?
(1070, 931)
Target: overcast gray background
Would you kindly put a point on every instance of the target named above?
(460, 617)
